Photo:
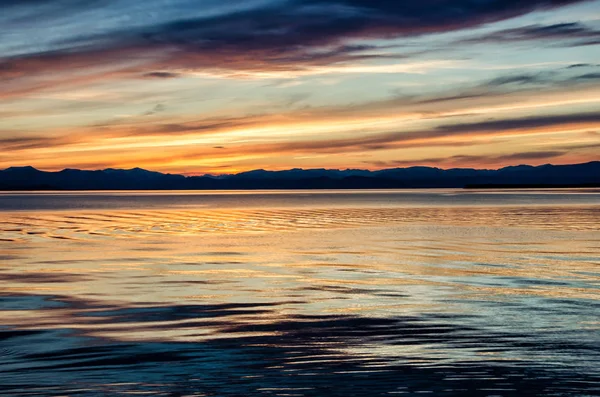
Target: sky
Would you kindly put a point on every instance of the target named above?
(213, 86)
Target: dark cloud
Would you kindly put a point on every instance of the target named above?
(523, 156)
(580, 65)
(280, 35)
(464, 95)
(47, 11)
(514, 83)
(9, 3)
(579, 146)
(65, 5)
(591, 42)
(162, 75)
(530, 155)
(282, 29)
(322, 21)
(28, 142)
(520, 79)
(548, 78)
(575, 33)
(465, 159)
(522, 123)
(587, 76)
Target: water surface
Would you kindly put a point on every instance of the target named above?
(378, 293)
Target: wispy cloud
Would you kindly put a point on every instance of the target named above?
(566, 34)
(470, 159)
(267, 40)
(162, 75)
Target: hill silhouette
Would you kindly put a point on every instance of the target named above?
(30, 178)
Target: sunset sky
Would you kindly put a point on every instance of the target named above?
(224, 86)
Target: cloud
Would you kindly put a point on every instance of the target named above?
(530, 155)
(562, 78)
(341, 125)
(581, 65)
(521, 123)
(521, 79)
(503, 158)
(587, 76)
(162, 75)
(275, 36)
(156, 109)
(434, 137)
(571, 34)
(592, 146)
(10, 144)
(451, 136)
(470, 159)
(282, 25)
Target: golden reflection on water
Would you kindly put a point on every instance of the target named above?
(376, 261)
(301, 299)
(72, 225)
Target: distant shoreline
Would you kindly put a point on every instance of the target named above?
(467, 187)
(585, 175)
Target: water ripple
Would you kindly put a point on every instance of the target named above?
(303, 300)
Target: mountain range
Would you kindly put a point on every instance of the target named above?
(30, 178)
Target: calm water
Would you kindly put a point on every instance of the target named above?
(300, 293)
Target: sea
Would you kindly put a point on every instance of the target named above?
(442, 292)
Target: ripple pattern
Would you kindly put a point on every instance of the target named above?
(26, 226)
(301, 301)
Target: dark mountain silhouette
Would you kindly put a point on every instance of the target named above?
(29, 178)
